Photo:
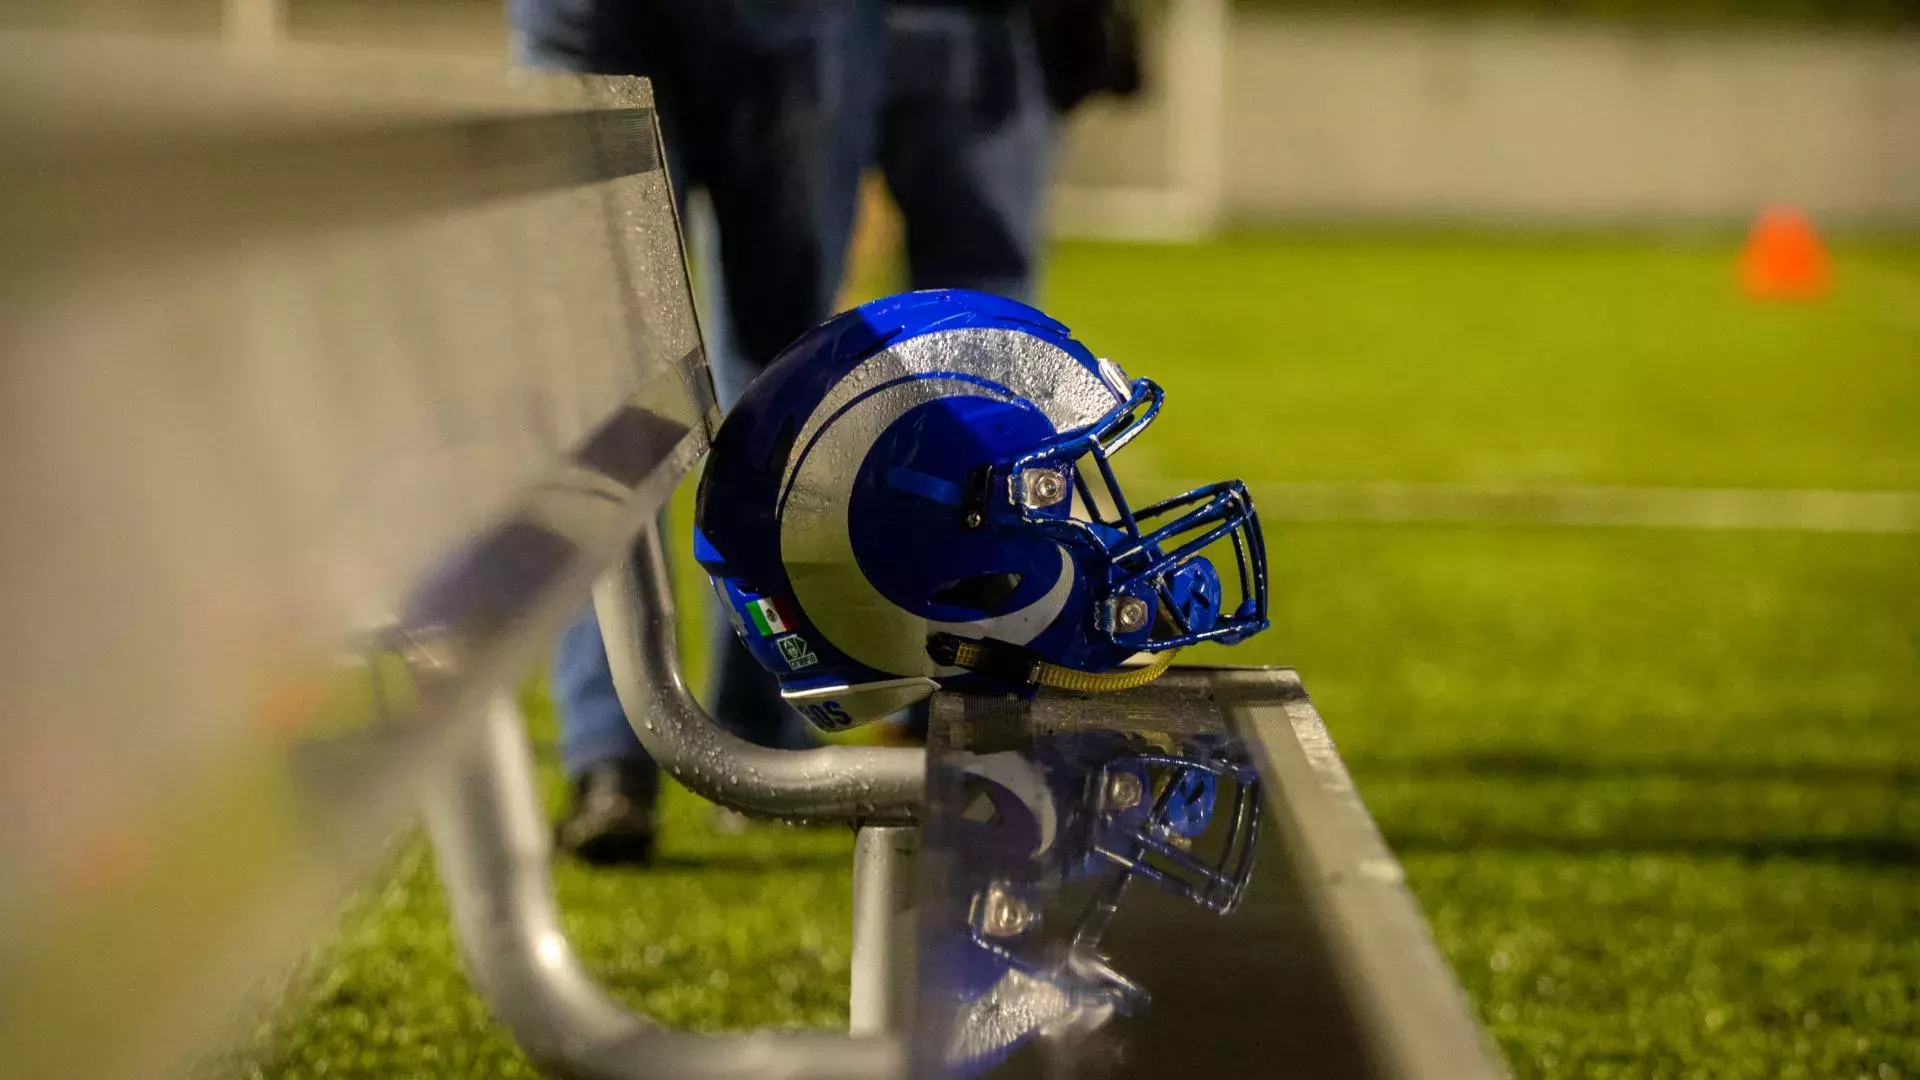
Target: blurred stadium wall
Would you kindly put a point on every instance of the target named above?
(1257, 113)
(1561, 113)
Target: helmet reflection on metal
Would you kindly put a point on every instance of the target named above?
(1071, 827)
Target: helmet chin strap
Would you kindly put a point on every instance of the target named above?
(972, 654)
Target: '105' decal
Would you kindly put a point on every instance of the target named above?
(827, 715)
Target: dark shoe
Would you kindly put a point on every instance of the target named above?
(611, 820)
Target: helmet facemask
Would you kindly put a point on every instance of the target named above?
(1188, 826)
(1152, 587)
(920, 495)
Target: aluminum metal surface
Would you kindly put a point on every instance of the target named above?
(885, 923)
(1323, 968)
(332, 381)
(877, 785)
(490, 839)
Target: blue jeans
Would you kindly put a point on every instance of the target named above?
(776, 110)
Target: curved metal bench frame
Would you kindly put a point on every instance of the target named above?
(494, 847)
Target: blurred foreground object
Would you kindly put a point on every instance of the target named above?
(1784, 258)
(332, 379)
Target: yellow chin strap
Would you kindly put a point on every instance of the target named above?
(970, 654)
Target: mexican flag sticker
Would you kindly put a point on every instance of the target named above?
(770, 616)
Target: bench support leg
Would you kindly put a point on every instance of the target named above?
(884, 861)
(490, 838)
(828, 783)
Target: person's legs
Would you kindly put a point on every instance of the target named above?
(797, 131)
(615, 783)
(763, 106)
(593, 726)
(799, 118)
(965, 138)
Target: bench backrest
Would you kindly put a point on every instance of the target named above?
(332, 381)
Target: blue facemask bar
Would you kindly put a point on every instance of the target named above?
(1156, 852)
(1130, 545)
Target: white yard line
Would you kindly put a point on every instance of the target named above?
(1714, 509)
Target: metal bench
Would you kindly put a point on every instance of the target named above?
(335, 382)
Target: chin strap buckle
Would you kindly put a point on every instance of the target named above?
(1014, 665)
(996, 660)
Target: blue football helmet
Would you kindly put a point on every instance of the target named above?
(919, 493)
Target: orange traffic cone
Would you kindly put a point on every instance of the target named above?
(1784, 258)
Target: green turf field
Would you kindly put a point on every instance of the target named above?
(1658, 790)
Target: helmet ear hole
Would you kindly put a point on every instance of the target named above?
(985, 593)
